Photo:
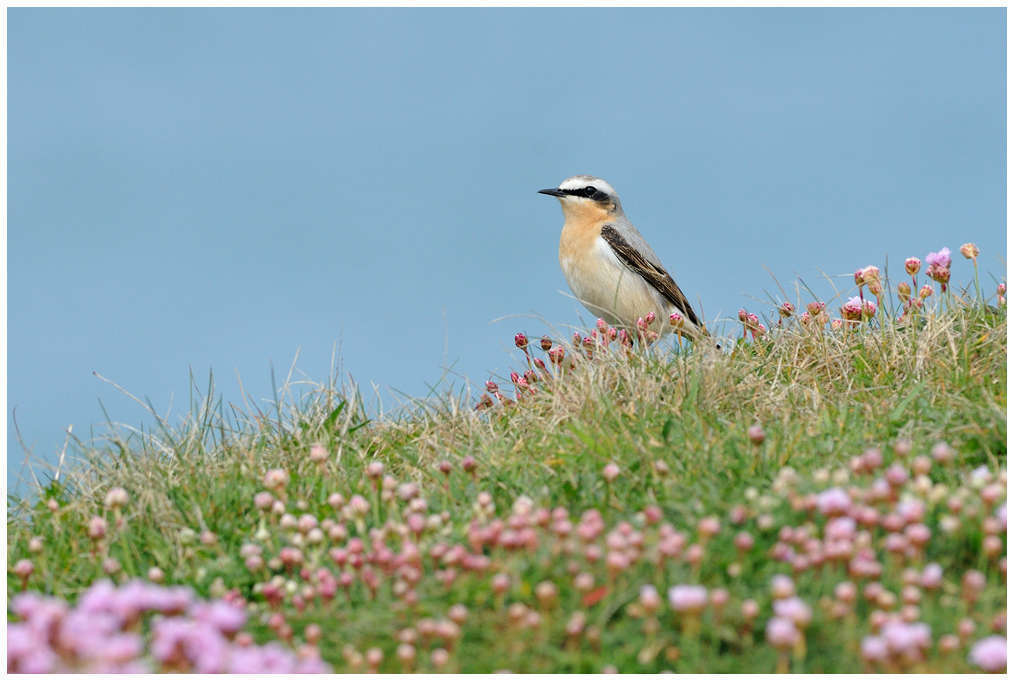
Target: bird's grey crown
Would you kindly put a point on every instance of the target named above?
(582, 181)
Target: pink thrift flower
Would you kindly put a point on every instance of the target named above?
(840, 529)
(990, 654)
(782, 587)
(689, 599)
(834, 501)
(794, 610)
(852, 310)
(873, 648)
(781, 633)
(941, 258)
(227, 618)
(611, 471)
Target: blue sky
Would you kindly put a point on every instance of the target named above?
(217, 188)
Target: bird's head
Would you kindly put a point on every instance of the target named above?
(586, 196)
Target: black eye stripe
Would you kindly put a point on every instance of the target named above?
(588, 192)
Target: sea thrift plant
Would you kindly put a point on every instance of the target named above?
(938, 267)
(616, 506)
(101, 633)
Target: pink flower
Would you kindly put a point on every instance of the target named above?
(852, 310)
(227, 618)
(912, 266)
(902, 638)
(990, 654)
(611, 471)
(873, 648)
(276, 478)
(781, 633)
(649, 598)
(941, 258)
(896, 475)
(932, 576)
(686, 598)
(840, 529)
(794, 610)
(782, 586)
(834, 501)
(97, 527)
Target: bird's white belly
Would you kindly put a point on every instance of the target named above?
(608, 289)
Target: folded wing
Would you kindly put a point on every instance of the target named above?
(655, 275)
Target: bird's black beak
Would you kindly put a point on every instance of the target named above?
(552, 192)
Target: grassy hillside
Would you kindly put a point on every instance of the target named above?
(822, 498)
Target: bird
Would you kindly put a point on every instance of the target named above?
(610, 267)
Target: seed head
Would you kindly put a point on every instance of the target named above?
(969, 250)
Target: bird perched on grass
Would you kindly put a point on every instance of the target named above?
(608, 264)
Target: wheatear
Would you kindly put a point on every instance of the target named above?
(608, 264)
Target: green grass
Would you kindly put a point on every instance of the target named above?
(675, 423)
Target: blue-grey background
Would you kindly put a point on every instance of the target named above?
(215, 189)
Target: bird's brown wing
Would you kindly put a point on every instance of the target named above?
(655, 275)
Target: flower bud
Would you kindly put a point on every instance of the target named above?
(912, 266)
(969, 250)
(521, 340)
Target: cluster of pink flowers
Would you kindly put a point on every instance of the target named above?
(938, 267)
(751, 324)
(102, 633)
(596, 344)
